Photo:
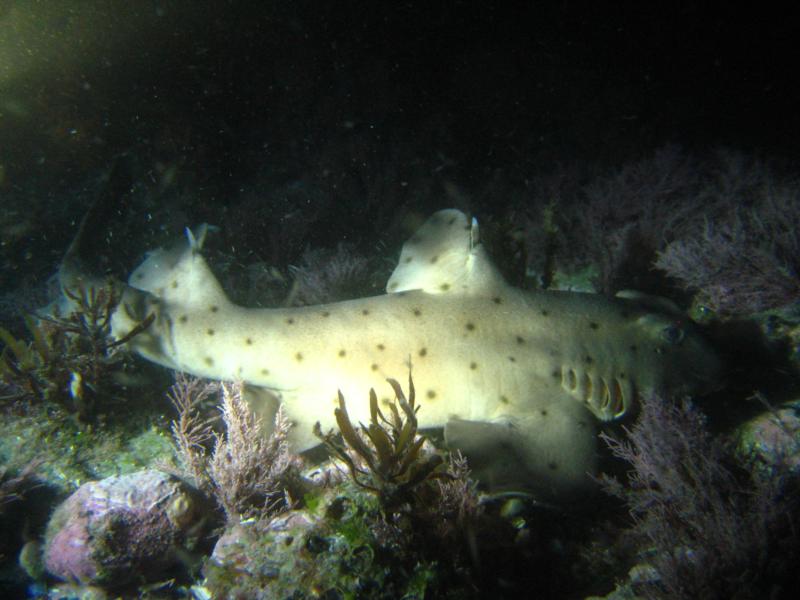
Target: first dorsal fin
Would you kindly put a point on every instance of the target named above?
(180, 274)
(445, 256)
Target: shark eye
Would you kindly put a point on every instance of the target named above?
(672, 334)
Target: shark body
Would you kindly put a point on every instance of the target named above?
(517, 379)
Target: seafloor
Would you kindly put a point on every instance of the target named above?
(315, 141)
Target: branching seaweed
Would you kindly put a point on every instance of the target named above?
(248, 470)
(707, 530)
(385, 457)
(69, 360)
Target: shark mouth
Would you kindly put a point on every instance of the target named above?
(608, 397)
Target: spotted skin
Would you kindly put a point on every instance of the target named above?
(517, 379)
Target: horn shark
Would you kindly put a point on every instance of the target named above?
(518, 379)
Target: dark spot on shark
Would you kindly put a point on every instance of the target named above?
(249, 341)
(512, 359)
(497, 300)
(473, 365)
(183, 319)
(374, 367)
(365, 311)
(423, 351)
(444, 287)
(174, 285)
(265, 372)
(504, 400)
(434, 258)
(392, 286)
(214, 309)
(543, 412)
(210, 332)
(520, 340)
(451, 221)
(417, 312)
(594, 325)
(431, 394)
(381, 347)
(408, 259)
(325, 313)
(290, 321)
(588, 359)
(470, 326)
(298, 357)
(633, 347)
(342, 353)
(209, 361)
(544, 312)
(552, 465)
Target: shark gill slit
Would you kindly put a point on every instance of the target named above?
(596, 391)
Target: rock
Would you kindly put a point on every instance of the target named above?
(772, 441)
(124, 528)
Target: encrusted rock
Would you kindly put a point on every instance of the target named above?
(113, 530)
(772, 440)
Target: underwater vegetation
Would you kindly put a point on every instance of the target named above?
(722, 227)
(248, 470)
(746, 259)
(391, 516)
(71, 359)
(327, 276)
(385, 457)
(705, 527)
(13, 490)
(395, 526)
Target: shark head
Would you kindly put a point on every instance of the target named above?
(645, 351)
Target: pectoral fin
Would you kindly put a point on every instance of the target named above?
(549, 456)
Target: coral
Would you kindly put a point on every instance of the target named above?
(120, 529)
(248, 472)
(707, 530)
(71, 359)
